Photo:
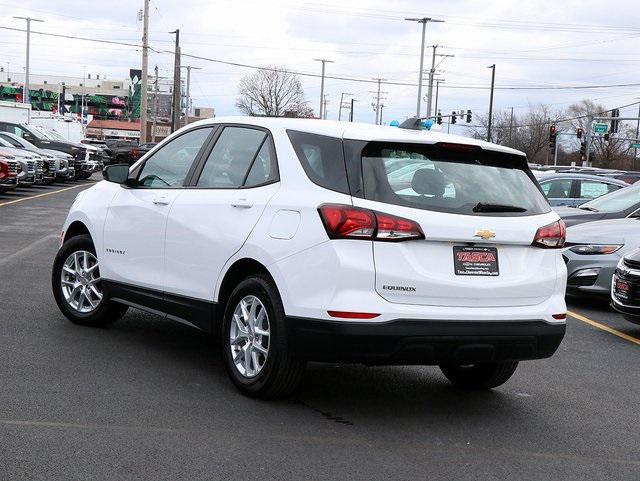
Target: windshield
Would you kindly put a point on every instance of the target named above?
(45, 133)
(623, 199)
(35, 132)
(461, 181)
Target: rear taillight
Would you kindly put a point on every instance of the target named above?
(348, 222)
(551, 236)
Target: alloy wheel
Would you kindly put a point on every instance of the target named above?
(249, 336)
(80, 281)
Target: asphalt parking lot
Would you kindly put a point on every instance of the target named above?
(149, 399)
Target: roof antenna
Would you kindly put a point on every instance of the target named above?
(413, 123)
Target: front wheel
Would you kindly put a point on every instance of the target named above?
(254, 341)
(77, 287)
(480, 376)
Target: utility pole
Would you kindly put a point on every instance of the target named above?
(155, 105)
(511, 128)
(381, 109)
(435, 110)
(376, 102)
(587, 140)
(145, 73)
(351, 109)
(423, 21)
(25, 92)
(493, 79)
(342, 104)
(635, 150)
(322, 104)
(324, 108)
(177, 90)
(188, 106)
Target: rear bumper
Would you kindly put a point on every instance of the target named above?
(422, 342)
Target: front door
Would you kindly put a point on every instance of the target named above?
(136, 222)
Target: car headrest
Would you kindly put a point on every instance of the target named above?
(428, 182)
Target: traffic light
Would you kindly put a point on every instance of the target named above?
(553, 134)
(614, 122)
(579, 132)
(583, 151)
(468, 116)
(439, 119)
(453, 117)
(606, 137)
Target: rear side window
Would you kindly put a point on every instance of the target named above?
(241, 157)
(322, 159)
(447, 179)
(557, 188)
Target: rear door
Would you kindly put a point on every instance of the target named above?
(211, 220)
(479, 221)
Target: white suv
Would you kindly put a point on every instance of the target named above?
(304, 240)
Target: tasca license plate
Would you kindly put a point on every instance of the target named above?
(475, 261)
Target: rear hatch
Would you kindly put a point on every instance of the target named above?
(479, 211)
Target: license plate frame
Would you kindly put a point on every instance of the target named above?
(479, 261)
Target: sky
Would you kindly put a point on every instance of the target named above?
(534, 44)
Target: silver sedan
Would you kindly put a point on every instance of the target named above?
(592, 252)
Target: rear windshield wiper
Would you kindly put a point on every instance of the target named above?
(481, 207)
(590, 209)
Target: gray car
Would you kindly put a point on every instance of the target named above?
(616, 205)
(592, 252)
(573, 189)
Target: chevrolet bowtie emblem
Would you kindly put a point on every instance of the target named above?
(485, 234)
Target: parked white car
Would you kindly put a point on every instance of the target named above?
(293, 241)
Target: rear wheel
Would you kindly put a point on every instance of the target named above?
(77, 287)
(254, 341)
(480, 376)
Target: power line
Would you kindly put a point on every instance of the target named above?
(333, 77)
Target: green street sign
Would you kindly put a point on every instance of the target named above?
(600, 128)
(635, 146)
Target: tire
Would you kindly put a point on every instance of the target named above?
(104, 312)
(280, 373)
(480, 376)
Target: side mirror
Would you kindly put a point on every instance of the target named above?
(118, 173)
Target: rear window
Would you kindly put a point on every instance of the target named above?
(322, 159)
(442, 179)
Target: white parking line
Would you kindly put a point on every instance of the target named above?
(46, 193)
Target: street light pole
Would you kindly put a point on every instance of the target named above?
(423, 21)
(26, 94)
(493, 79)
(145, 73)
(188, 106)
(175, 117)
(324, 61)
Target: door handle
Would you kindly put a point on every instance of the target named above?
(161, 200)
(242, 204)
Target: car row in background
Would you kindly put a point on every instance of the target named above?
(601, 209)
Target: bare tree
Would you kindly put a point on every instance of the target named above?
(273, 92)
(528, 132)
(615, 153)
